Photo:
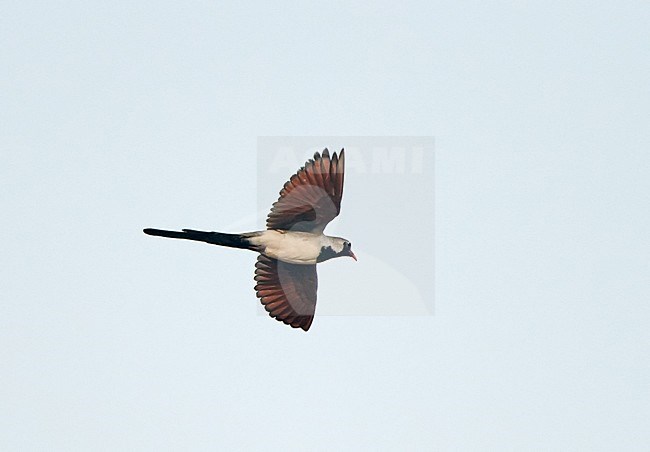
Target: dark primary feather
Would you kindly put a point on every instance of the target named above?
(312, 197)
(287, 291)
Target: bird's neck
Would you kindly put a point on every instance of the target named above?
(330, 248)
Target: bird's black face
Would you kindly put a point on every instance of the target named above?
(347, 250)
(338, 248)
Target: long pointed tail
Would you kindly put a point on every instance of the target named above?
(215, 238)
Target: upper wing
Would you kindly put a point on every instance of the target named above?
(287, 291)
(312, 197)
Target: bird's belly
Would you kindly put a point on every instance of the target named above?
(290, 258)
(292, 247)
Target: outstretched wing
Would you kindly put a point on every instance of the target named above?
(312, 197)
(287, 291)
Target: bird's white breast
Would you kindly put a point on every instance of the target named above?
(291, 247)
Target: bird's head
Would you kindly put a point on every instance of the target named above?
(347, 250)
(336, 247)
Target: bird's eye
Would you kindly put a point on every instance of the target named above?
(348, 244)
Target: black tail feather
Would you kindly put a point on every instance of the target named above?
(215, 238)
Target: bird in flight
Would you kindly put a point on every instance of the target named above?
(293, 242)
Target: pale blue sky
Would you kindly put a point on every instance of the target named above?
(115, 116)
